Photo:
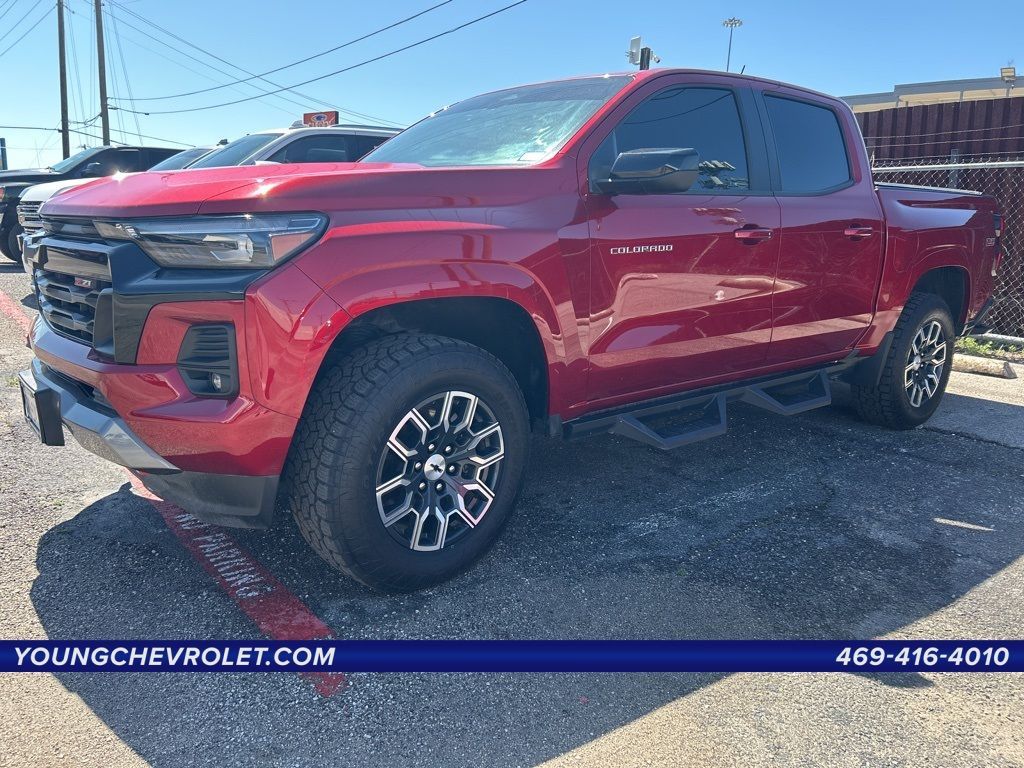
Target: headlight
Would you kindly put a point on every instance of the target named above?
(247, 241)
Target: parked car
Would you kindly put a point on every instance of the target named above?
(33, 197)
(366, 346)
(334, 144)
(87, 164)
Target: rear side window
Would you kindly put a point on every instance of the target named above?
(363, 144)
(154, 155)
(809, 142)
(704, 119)
(322, 148)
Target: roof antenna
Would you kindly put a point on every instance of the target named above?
(743, 69)
(640, 55)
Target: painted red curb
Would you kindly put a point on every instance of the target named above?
(275, 610)
(278, 613)
(15, 312)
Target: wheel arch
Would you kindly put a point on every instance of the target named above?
(497, 325)
(952, 285)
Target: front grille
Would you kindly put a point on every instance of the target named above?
(70, 227)
(28, 217)
(72, 282)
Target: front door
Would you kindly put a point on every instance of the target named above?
(681, 284)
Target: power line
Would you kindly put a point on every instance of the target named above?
(279, 88)
(35, 5)
(167, 45)
(26, 32)
(90, 135)
(124, 69)
(8, 8)
(190, 69)
(78, 77)
(261, 75)
(344, 69)
(161, 55)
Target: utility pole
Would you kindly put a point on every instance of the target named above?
(101, 61)
(62, 65)
(731, 23)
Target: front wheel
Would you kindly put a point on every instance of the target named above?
(916, 368)
(408, 460)
(9, 243)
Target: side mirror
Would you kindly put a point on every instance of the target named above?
(652, 172)
(92, 169)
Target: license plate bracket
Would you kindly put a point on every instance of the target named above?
(41, 406)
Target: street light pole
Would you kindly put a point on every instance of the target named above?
(731, 23)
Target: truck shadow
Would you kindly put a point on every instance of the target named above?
(814, 527)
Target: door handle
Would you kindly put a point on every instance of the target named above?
(753, 235)
(858, 232)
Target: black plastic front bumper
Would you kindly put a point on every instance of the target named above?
(238, 501)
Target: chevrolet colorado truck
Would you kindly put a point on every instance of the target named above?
(368, 345)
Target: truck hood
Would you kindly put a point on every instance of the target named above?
(168, 193)
(26, 176)
(311, 187)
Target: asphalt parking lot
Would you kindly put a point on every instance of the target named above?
(812, 527)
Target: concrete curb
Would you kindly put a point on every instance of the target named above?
(984, 366)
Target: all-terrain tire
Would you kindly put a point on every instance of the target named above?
(333, 469)
(889, 402)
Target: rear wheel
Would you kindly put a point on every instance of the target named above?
(916, 369)
(408, 460)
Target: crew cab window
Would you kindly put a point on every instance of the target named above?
(113, 161)
(704, 119)
(809, 145)
(129, 161)
(322, 148)
(153, 155)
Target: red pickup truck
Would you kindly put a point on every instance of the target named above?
(367, 345)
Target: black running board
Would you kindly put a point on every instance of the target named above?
(708, 409)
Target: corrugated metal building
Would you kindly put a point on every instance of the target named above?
(966, 134)
(968, 129)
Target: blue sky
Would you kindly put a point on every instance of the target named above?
(842, 49)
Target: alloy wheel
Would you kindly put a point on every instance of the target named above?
(925, 363)
(437, 476)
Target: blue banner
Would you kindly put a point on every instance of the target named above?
(512, 656)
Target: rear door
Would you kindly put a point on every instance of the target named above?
(832, 228)
(681, 284)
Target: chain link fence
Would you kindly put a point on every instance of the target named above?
(1003, 179)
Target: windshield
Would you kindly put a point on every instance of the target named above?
(519, 126)
(69, 163)
(180, 160)
(235, 152)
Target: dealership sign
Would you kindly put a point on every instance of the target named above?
(319, 119)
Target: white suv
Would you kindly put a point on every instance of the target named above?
(336, 144)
